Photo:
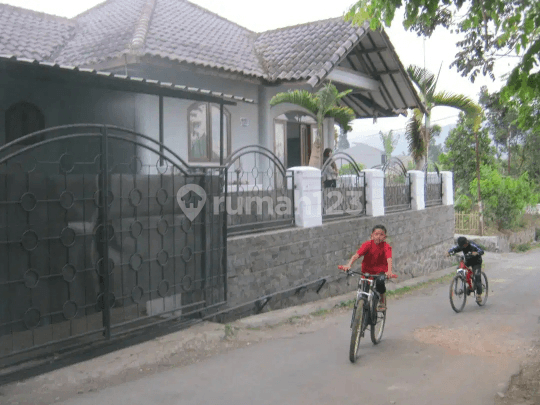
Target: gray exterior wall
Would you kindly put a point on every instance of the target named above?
(263, 264)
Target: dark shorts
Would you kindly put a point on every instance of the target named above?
(380, 287)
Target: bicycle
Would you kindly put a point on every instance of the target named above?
(365, 312)
(463, 284)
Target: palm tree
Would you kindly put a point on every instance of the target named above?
(322, 104)
(416, 132)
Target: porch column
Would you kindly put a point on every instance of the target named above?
(307, 196)
(418, 201)
(447, 188)
(374, 192)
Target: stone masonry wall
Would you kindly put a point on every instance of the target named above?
(269, 262)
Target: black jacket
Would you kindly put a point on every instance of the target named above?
(471, 247)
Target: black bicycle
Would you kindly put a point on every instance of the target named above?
(365, 313)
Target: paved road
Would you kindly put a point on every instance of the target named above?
(429, 355)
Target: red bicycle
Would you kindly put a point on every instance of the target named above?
(463, 284)
(365, 312)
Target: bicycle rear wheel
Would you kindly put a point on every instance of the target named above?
(356, 331)
(458, 293)
(484, 290)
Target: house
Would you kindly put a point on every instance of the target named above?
(172, 46)
(366, 155)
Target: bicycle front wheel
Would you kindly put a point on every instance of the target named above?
(458, 293)
(484, 290)
(377, 327)
(356, 331)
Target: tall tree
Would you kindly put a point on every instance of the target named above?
(460, 156)
(389, 141)
(501, 123)
(419, 138)
(322, 104)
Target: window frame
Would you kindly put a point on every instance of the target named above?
(9, 116)
(209, 137)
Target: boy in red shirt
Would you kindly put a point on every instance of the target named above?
(377, 260)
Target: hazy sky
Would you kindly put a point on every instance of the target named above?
(259, 16)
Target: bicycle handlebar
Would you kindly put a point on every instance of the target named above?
(351, 272)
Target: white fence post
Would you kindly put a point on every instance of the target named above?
(307, 196)
(417, 179)
(374, 192)
(447, 188)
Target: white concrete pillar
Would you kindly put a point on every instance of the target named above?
(374, 192)
(447, 188)
(417, 178)
(307, 196)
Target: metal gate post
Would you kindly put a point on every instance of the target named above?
(105, 231)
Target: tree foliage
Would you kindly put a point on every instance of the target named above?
(418, 137)
(491, 29)
(460, 157)
(389, 142)
(505, 197)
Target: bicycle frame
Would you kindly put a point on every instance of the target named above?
(466, 272)
(365, 289)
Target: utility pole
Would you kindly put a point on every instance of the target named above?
(478, 184)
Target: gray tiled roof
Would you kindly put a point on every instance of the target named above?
(176, 30)
(302, 51)
(103, 32)
(33, 35)
(184, 32)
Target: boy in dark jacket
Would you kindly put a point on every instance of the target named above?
(475, 261)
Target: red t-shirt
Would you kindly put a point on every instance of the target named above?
(375, 257)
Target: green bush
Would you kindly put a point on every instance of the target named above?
(521, 248)
(504, 198)
(348, 169)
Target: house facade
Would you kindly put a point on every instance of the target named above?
(176, 43)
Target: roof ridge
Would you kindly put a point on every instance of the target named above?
(302, 24)
(38, 13)
(99, 5)
(220, 17)
(142, 26)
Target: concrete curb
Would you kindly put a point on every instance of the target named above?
(276, 317)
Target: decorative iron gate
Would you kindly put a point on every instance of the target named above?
(259, 192)
(93, 239)
(397, 186)
(343, 187)
(433, 187)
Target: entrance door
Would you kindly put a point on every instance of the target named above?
(305, 137)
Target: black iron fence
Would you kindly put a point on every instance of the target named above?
(343, 187)
(433, 189)
(103, 231)
(397, 187)
(259, 191)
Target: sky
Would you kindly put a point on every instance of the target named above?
(437, 52)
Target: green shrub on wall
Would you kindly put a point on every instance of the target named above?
(348, 169)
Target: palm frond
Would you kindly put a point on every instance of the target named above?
(302, 98)
(413, 133)
(343, 117)
(459, 101)
(424, 80)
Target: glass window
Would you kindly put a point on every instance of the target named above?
(204, 133)
(23, 119)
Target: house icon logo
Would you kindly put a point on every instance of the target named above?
(191, 199)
